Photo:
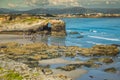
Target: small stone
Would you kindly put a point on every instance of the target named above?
(91, 76)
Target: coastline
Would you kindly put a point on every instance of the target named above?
(35, 58)
(39, 59)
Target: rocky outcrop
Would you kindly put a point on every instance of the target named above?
(24, 26)
(98, 50)
(33, 24)
(57, 28)
(111, 70)
(106, 60)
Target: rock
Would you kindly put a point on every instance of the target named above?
(95, 65)
(31, 24)
(85, 52)
(93, 59)
(44, 65)
(67, 68)
(73, 32)
(88, 64)
(98, 50)
(111, 70)
(57, 28)
(47, 71)
(91, 76)
(118, 45)
(106, 60)
(36, 25)
(80, 36)
(70, 54)
(76, 65)
(45, 56)
(63, 77)
(3, 46)
(32, 64)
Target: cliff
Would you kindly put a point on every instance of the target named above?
(32, 24)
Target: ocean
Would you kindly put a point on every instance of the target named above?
(89, 32)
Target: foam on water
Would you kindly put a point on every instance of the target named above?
(104, 38)
(94, 43)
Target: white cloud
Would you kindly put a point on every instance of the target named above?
(12, 5)
(30, 4)
(65, 3)
(107, 2)
(36, 2)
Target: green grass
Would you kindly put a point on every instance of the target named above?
(9, 75)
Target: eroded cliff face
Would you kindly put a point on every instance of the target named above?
(32, 24)
(57, 28)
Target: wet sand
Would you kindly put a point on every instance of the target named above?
(58, 61)
(4, 38)
(71, 74)
(74, 74)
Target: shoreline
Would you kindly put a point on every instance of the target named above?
(31, 55)
(75, 74)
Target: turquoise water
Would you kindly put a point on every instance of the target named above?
(90, 31)
(93, 30)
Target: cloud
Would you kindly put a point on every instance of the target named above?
(66, 3)
(52, 3)
(107, 2)
(69, 3)
(12, 5)
(36, 3)
(31, 4)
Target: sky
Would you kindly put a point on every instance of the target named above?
(31, 4)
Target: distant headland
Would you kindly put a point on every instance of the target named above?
(67, 12)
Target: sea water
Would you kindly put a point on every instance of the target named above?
(94, 31)
(89, 32)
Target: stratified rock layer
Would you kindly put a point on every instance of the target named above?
(33, 25)
(100, 50)
(58, 28)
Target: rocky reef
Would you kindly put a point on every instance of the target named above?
(32, 24)
(25, 60)
(110, 50)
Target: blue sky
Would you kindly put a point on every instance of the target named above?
(30, 4)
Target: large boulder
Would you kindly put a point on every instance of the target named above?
(57, 28)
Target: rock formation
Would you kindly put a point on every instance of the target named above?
(100, 50)
(57, 28)
(33, 24)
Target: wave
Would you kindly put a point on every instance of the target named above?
(69, 30)
(110, 39)
(94, 31)
(94, 42)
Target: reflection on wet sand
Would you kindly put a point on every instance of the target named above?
(50, 40)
